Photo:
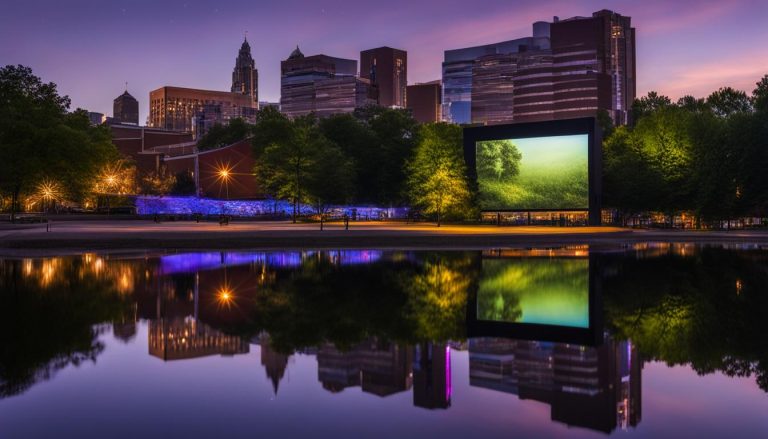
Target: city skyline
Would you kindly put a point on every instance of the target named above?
(674, 42)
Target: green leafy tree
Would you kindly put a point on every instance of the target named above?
(285, 165)
(360, 144)
(692, 104)
(330, 179)
(498, 160)
(157, 183)
(272, 127)
(437, 173)
(760, 95)
(727, 101)
(648, 104)
(630, 184)
(222, 135)
(663, 138)
(395, 132)
(605, 122)
(40, 141)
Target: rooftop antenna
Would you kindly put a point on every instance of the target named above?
(246, 36)
(126, 86)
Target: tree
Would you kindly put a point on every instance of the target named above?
(330, 179)
(222, 135)
(272, 127)
(184, 184)
(605, 122)
(437, 180)
(40, 141)
(760, 95)
(157, 183)
(726, 101)
(396, 132)
(664, 139)
(692, 104)
(283, 167)
(648, 104)
(361, 145)
(498, 160)
(630, 185)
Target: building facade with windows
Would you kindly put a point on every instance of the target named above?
(459, 68)
(321, 84)
(425, 101)
(569, 68)
(176, 108)
(387, 69)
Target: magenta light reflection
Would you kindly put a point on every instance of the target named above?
(448, 374)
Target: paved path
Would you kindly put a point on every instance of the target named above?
(115, 235)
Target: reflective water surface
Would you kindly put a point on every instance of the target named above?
(656, 340)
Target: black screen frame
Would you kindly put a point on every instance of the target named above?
(589, 336)
(562, 127)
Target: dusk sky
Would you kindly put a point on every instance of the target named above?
(91, 48)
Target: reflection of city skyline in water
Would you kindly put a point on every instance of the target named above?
(595, 387)
(201, 305)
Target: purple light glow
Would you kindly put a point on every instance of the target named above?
(448, 389)
(253, 208)
(194, 262)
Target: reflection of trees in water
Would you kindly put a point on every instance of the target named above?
(706, 310)
(504, 281)
(50, 317)
(395, 299)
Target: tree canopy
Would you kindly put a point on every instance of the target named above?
(437, 177)
(704, 156)
(41, 141)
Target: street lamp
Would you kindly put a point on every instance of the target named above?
(224, 173)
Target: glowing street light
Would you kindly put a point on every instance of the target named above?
(47, 191)
(223, 174)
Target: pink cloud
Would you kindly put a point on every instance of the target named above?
(741, 72)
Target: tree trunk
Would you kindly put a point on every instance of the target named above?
(438, 216)
(294, 210)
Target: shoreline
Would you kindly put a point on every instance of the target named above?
(106, 236)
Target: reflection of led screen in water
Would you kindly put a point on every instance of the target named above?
(543, 291)
(534, 173)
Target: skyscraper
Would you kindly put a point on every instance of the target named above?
(245, 77)
(321, 84)
(569, 68)
(125, 109)
(387, 69)
(594, 59)
(424, 101)
(459, 67)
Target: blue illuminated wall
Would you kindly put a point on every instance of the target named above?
(250, 208)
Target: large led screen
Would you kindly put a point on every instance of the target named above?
(533, 173)
(535, 290)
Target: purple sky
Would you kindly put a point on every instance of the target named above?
(91, 48)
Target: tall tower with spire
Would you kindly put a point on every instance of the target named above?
(245, 77)
(125, 108)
